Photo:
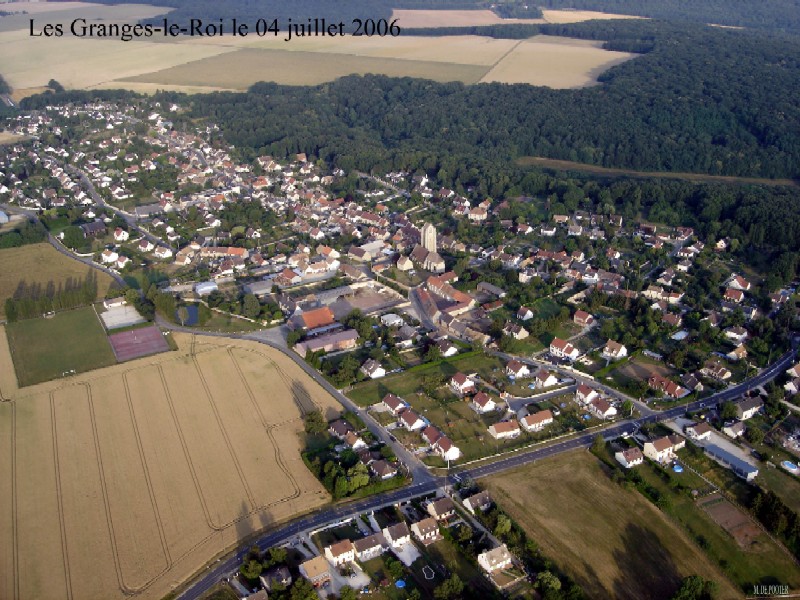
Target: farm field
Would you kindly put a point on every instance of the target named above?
(126, 480)
(559, 63)
(39, 264)
(240, 69)
(44, 349)
(598, 532)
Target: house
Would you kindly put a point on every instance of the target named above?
(397, 535)
(120, 235)
(732, 295)
(516, 331)
(747, 408)
(793, 386)
(373, 369)
(481, 501)
(430, 434)
(737, 354)
(614, 350)
(517, 369)
(317, 571)
(737, 282)
(582, 318)
(426, 531)
(794, 371)
(442, 509)
(537, 421)
(276, 576)
(699, 431)
(482, 403)
(562, 349)
(524, 313)
(94, 229)
(145, 245)
(369, 547)
(667, 387)
(601, 408)
(447, 348)
(461, 384)
(734, 430)
(354, 441)
(716, 371)
(339, 428)
(445, 448)
(394, 404)
(122, 262)
(584, 394)
(630, 458)
(692, 382)
(383, 469)
(312, 319)
(109, 256)
(736, 334)
(545, 379)
(660, 450)
(341, 340)
(340, 553)
(495, 559)
(505, 430)
(163, 252)
(411, 420)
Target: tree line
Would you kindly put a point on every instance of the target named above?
(32, 300)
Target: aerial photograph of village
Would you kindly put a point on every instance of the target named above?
(399, 299)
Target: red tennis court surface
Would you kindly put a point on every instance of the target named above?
(137, 342)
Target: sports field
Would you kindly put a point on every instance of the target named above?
(40, 264)
(612, 541)
(125, 481)
(48, 348)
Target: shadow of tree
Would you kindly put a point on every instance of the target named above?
(647, 567)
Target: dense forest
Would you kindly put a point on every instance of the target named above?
(701, 100)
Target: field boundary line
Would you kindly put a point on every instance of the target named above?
(267, 428)
(59, 497)
(14, 525)
(103, 488)
(225, 436)
(186, 454)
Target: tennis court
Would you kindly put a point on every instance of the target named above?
(138, 342)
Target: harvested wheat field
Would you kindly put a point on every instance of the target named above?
(613, 542)
(78, 63)
(242, 68)
(555, 62)
(125, 481)
(427, 19)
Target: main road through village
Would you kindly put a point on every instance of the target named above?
(423, 480)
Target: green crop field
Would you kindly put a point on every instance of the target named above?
(43, 349)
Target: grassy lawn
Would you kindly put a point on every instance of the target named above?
(763, 563)
(44, 349)
(221, 591)
(227, 324)
(785, 485)
(326, 537)
(408, 382)
(445, 554)
(545, 308)
(600, 533)
(41, 264)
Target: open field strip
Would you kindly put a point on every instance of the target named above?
(578, 16)
(82, 498)
(459, 49)
(217, 474)
(559, 63)
(168, 463)
(133, 514)
(7, 510)
(239, 411)
(41, 570)
(600, 533)
(8, 377)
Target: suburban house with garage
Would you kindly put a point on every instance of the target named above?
(505, 430)
(629, 458)
(397, 535)
(462, 385)
(537, 421)
(340, 553)
(495, 559)
(426, 531)
(441, 509)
